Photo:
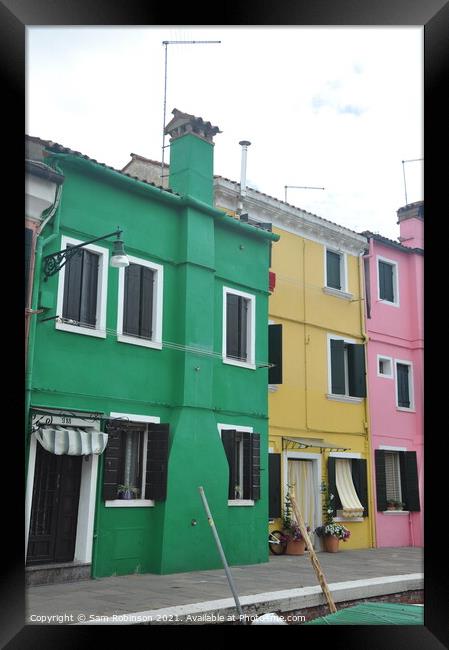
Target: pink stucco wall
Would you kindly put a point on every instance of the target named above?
(397, 332)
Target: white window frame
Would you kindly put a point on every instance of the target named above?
(395, 512)
(346, 455)
(239, 429)
(411, 408)
(158, 292)
(135, 503)
(335, 396)
(344, 291)
(100, 329)
(395, 265)
(382, 357)
(251, 330)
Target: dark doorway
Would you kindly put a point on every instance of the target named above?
(54, 510)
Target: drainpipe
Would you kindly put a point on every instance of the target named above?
(40, 244)
(366, 403)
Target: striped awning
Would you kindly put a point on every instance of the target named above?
(71, 441)
(346, 490)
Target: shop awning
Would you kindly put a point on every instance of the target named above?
(72, 441)
(304, 443)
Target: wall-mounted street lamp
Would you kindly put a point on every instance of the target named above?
(54, 262)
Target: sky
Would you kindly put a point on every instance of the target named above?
(333, 107)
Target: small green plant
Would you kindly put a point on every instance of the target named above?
(127, 491)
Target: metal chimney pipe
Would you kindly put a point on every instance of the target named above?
(244, 144)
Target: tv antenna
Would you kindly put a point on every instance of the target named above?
(300, 187)
(403, 172)
(165, 90)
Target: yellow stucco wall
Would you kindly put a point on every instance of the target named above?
(299, 407)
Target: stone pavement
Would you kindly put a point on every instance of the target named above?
(139, 593)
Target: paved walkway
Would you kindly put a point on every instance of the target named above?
(137, 593)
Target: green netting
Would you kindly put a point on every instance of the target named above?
(374, 614)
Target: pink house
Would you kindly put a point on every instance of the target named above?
(394, 275)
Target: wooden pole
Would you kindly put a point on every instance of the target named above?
(313, 558)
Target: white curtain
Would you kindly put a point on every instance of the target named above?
(300, 477)
(346, 490)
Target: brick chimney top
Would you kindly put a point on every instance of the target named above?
(410, 211)
(183, 123)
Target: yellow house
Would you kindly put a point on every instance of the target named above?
(318, 411)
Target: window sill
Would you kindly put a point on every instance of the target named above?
(240, 364)
(388, 302)
(344, 398)
(240, 502)
(405, 409)
(338, 293)
(273, 388)
(348, 520)
(129, 503)
(78, 329)
(395, 512)
(123, 338)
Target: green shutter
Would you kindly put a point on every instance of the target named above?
(333, 270)
(275, 354)
(338, 366)
(332, 485)
(386, 290)
(359, 478)
(356, 370)
(403, 386)
(381, 481)
(409, 480)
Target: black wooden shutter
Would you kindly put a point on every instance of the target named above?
(157, 462)
(228, 438)
(243, 328)
(131, 303)
(232, 322)
(409, 480)
(386, 281)
(146, 303)
(274, 485)
(381, 481)
(28, 247)
(112, 461)
(72, 287)
(359, 478)
(247, 465)
(275, 354)
(333, 270)
(402, 372)
(338, 366)
(332, 485)
(255, 466)
(356, 370)
(89, 289)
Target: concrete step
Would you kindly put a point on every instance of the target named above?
(47, 574)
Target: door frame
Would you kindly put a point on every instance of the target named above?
(316, 469)
(86, 505)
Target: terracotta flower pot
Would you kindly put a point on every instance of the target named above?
(296, 547)
(330, 543)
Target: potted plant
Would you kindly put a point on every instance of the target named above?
(331, 532)
(399, 505)
(127, 492)
(391, 504)
(296, 544)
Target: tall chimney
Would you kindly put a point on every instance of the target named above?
(411, 225)
(244, 144)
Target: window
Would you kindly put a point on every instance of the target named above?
(242, 449)
(135, 462)
(384, 367)
(82, 290)
(404, 386)
(347, 478)
(140, 302)
(335, 270)
(397, 478)
(239, 328)
(388, 281)
(347, 368)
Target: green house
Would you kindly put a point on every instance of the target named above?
(146, 381)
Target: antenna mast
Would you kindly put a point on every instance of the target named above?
(403, 172)
(300, 187)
